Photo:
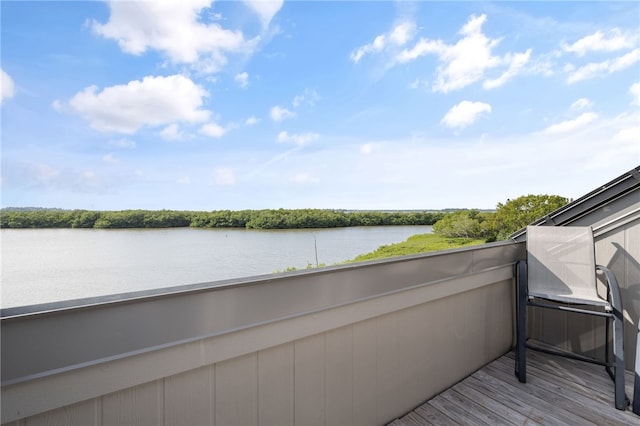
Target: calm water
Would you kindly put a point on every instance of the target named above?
(45, 265)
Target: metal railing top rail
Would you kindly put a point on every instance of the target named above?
(160, 292)
(36, 342)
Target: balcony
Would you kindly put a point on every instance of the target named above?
(558, 391)
(357, 344)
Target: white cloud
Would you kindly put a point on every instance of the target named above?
(398, 36)
(599, 69)
(582, 103)
(465, 113)
(298, 139)
(251, 121)
(265, 9)
(635, 92)
(305, 178)
(516, 63)
(69, 178)
(308, 96)
(7, 86)
(242, 79)
(174, 29)
(600, 42)
(123, 143)
(44, 173)
(367, 148)
(184, 180)
(110, 159)
(172, 133)
(57, 105)
(419, 83)
(421, 48)
(571, 125)
(279, 113)
(154, 101)
(467, 61)
(213, 130)
(629, 134)
(224, 176)
(402, 33)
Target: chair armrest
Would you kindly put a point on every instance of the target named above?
(613, 288)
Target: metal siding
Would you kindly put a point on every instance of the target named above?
(189, 398)
(631, 292)
(309, 380)
(365, 379)
(275, 386)
(388, 369)
(141, 405)
(84, 413)
(236, 391)
(338, 369)
(415, 344)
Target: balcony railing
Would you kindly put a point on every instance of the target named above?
(356, 344)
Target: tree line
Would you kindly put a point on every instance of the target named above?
(508, 218)
(249, 219)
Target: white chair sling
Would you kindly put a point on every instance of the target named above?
(560, 268)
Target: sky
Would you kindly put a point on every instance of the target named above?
(212, 105)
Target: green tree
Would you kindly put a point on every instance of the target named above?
(462, 224)
(514, 215)
(84, 218)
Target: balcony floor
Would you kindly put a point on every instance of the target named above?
(558, 391)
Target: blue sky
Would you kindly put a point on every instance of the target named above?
(205, 105)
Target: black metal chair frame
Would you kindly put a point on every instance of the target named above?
(523, 300)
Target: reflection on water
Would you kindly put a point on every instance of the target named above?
(45, 265)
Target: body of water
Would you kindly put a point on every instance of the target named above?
(46, 265)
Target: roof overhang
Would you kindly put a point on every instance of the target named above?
(620, 187)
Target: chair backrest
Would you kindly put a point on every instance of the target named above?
(561, 264)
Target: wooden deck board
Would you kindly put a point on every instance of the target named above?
(433, 416)
(558, 391)
(578, 396)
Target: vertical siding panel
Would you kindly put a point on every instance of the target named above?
(188, 398)
(236, 391)
(388, 368)
(365, 383)
(140, 405)
(80, 414)
(339, 376)
(309, 381)
(440, 323)
(474, 328)
(275, 386)
(212, 386)
(422, 340)
(631, 282)
(499, 316)
(411, 329)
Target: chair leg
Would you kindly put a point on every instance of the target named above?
(521, 321)
(618, 359)
(618, 337)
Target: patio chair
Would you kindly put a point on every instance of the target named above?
(560, 273)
